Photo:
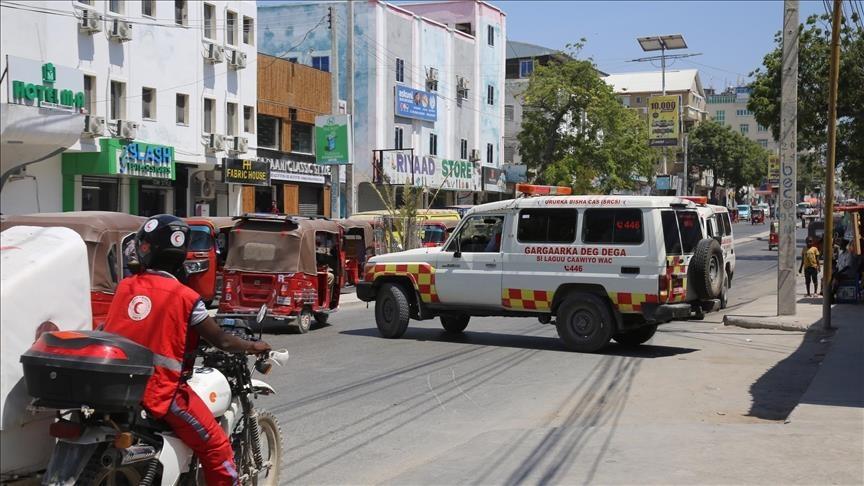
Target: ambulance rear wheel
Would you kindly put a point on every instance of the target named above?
(304, 321)
(455, 323)
(392, 311)
(584, 322)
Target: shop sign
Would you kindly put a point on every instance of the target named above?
(428, 171)
(333, 139)
(413, 103)
(663, 121)
(138, 159)
(494, 180)
(774, 170)
(45, 85)
(663, 183)
(296, 170)
(247, 172)
(516, 173)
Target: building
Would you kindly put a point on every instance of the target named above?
(428, 90)
(126, 105)
(730, 108)
(290, 96)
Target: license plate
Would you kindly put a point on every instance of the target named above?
(257, 283)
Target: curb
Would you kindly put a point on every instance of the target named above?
(774, 323)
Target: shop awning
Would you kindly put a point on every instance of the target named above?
(29, 134)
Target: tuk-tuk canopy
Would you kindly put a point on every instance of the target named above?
(357, 226)
(285, 245)
(102, 231)
(218, 222)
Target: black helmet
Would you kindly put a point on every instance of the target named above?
(161, 243)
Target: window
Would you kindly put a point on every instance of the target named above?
(760, 128)
(180, 12)
(490, 94)
(292, 59)
(115, 6)
(433, 144)
(231, 28)
(268, 132)
(638, 100)
(90, 93)
(321, 63)
(148, 103)
(248, 119)
(743, 113)
(727, 223)
(209, 115)
(99, 194)
(301, 138)
(625, 100)
(209, 21)
(478, 234)
(199, 238)
(671, 235)
(720, 116)
(463, 149)
(148, 8)
(614, 226)
(526, 67)
(292, 114)
(231, 118)
(745, 128)
(248, 30)
(509, 154)
(400, 71)
(490, 35)
(547, 226)
(508, 112)
(397, 138)
(182, 109)
(118, 100)
(489, 150)
(763, 142)
(690, 230)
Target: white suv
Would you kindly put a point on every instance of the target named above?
(606, 267)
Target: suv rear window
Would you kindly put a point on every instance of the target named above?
(616, 226)
(547, 226)
(691, 232)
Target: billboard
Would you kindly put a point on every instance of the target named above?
(494, 180)
(333, 139)
(429, 171)
(663, 121)
(416, 104)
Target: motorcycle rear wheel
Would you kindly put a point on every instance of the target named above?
(97, 474)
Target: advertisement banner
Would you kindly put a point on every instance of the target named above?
(413, 103)
(333, 139)
(663, 121)
(427, 171)
(774, 170)
(516, 173)
(494, 180)
(247, 172)
(285, 169)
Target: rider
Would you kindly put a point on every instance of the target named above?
(155, 310)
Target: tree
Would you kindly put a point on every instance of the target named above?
(813, 66)
(732, 158)
(576, 133)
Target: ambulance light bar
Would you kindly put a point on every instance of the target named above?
(535, 190)
(695, 199)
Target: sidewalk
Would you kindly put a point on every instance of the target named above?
(762, 313)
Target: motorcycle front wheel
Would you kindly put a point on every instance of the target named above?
(271, 450)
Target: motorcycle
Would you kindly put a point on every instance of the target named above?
(95, 380)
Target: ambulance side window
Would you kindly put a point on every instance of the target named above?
(727, 224)
(671, 235)
(691, 230)
(616, 226)
(546, 226)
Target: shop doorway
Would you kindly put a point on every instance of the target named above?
(310, 201)
(152, 201)
(100, 194)
(264, 199)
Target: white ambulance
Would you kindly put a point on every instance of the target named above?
(605, 267)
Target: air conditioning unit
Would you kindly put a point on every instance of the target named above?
(89, 22)
(127, 129)
(462, 88)
(432, 74)
(215, 142)
(121, 31)
(237, 59)
(94, 126)
(214, 53)
(239, 145)
(203, 185)
(475, 155)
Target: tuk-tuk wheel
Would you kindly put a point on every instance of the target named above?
(304, 320)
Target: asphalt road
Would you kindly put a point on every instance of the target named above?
(506, 403)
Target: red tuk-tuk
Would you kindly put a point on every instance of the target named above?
(208, 248)
(284, 262)
(358, 243)
(757, 215)
(108, 237)
(435, 232)
(773, 237)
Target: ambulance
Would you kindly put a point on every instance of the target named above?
(599, 267)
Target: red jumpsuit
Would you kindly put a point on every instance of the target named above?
(155, 310)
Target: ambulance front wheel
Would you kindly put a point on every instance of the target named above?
(391, 311)
(584, 322)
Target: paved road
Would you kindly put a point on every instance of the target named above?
(506, 403)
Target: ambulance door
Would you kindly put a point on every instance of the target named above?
(468, 271)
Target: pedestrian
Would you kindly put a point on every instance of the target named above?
(274, 208)
(810, 265)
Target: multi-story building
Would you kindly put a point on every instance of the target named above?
(126, 105)
(730, 108)
(428, 89)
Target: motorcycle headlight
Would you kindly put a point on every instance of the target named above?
(196, 266)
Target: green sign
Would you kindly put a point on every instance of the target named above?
(333, 139)
(123, 157)
(45, 93)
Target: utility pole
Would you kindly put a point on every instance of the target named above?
(686, 174)
(829, 170)
(787, 196)
(335, 183)
(351, 203)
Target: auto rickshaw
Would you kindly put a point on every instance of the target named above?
(110, 247)
(773, 237)
(358, 243)
(757, 215)
(290, 263)
(435, 232)
(205, 258)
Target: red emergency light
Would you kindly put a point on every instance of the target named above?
(535, 190)
(695, 199)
